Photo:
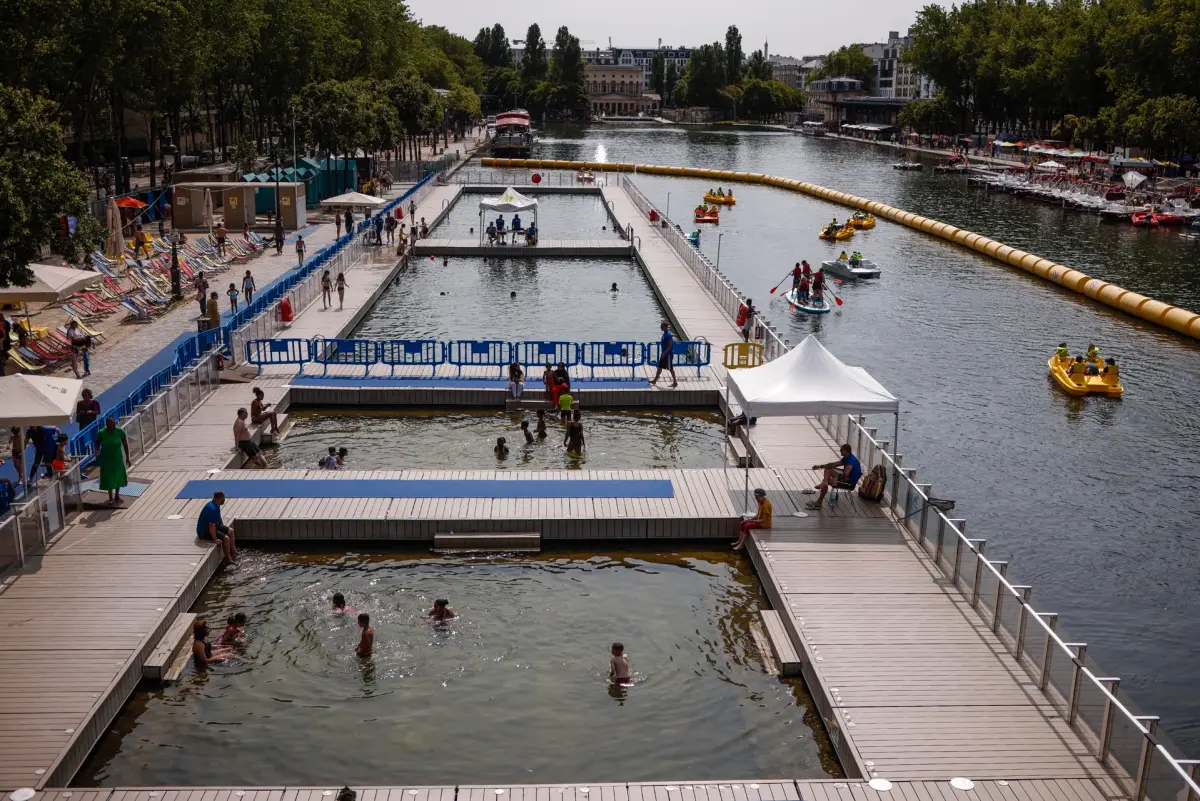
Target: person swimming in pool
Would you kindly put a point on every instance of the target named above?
(441, 611)
(367, 641)
(618, 666)
(501, 449)
(339, 605)
(541, 424)
(235, 629)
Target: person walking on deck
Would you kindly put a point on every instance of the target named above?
(667, 343)
(248, 287)
(113, 448)
(341, 290)
(300, 248)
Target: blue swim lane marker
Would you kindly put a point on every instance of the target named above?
(427, 488)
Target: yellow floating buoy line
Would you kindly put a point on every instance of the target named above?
(1175, 318)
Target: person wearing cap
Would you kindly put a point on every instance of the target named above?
(761, 519)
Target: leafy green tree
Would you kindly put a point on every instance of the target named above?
(926, 116)
(705, 77)
(37, 187)
(670, 83)
(244, 155)
(849, 61)
(658, 74)
(733, 54)
(757, 66)
(533, 61)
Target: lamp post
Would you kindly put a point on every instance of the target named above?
(668, 214)
(169, 152)
(719, 250)
(276, 136)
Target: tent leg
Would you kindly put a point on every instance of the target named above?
(895, 451)
(746, 488)
(725, 445)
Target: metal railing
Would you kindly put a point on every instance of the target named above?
(718, 285)
(524, 177)
(1092, 703)
(38, 517)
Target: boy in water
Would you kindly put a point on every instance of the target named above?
(367, 641)
(501, 449)
(235, 629)
(565, 404)
(525, 430)
(618, 666)
(339, 605)
(441, 611)
(541, 423)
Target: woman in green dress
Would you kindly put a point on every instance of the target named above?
(114, 458)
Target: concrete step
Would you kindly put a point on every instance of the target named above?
(781, 643)
(178, 636)
(740, 454)
(285, 425)
(519, 404)
(488, 542)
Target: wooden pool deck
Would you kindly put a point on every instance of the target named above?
(912, 685)
(613, 248)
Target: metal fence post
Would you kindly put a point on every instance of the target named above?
(1002, 567)
(1048, 653)
(1076, 679)
(1022, 619)
(979, 560)
(1193, 772)
(926, 490)
(1147, 754)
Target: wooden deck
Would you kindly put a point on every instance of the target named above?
(613, 248)
(743, 790)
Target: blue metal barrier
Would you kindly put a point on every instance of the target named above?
(612, 354)
(530, 352)
(685, 353)
(488, 353)
(429, 352)
(364, 352)
(278, 351)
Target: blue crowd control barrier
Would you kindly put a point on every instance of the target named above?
(325, 352)
(685, 353)
(537, 352)
(612, 354)
(481, 352)
(429, 352)
(278, 351)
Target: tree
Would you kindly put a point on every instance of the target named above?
(658, 74)
(533, 62)
(705, 77)
(670, 81)
(733, 54)
(491, 45)
(757, 66)
(37, 187)
(849, 61)
(244, 155)
(926, 116)
(567, 90)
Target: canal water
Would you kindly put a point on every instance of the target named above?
(515, 690)
(458, 439)
(1095, 501)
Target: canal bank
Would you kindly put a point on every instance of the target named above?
(1179, 320)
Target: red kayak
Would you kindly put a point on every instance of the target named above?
(1167, 218)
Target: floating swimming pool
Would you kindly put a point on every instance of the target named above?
(514, 690)
(557, 299)
(457, 439)
(559, 217)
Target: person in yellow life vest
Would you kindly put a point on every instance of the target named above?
(842, 256)
(720, 191)
(1077, 368)
(855, 259)
(1063, 352)
(1093, 353)
(1110, 370)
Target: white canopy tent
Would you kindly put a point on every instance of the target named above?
(50, 284)
(808, 380)
(511, 202)
(33, 400)
(1133, 179)
(354, 200)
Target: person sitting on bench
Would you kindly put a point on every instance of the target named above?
(846, 480)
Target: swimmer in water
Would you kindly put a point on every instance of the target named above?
(614, 287)
(235, 629)
(203, 653)
(441, 611)
(618, 666)
(367, 641)
(541, 423)
(339, 605)
(525, 430)
(513, 294)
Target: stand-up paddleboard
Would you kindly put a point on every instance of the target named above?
(825, 306)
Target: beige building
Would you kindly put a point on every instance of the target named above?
(615, 89)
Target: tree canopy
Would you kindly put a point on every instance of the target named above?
(545, 82)
(753, 94)
(849, 61)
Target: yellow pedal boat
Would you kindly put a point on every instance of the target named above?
(1109, 385)
(862, 222)
(838, 234)
(720, 200)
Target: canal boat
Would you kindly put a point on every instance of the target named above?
(823, 306)
(837, 233)
(862, 221)
(720, 200)
(514, 135)
(1109, 386)
(710, 216)
(853, 270)
(812, 128)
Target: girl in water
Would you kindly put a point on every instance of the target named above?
(573, 440)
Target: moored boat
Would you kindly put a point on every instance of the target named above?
(514, 135)
(712, 216)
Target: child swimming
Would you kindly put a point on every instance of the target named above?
(235, 629)
(618, 666)
(441, 611)
(339, 605)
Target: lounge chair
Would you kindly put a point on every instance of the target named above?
(23, 363)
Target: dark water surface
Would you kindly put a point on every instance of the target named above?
(1096, 502)
(513, 691)
(458, 439)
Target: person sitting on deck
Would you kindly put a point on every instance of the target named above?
(1093, 353)
(855, 259)
(210, 527)
(516, 380)
(851, 472)
(260, 411)
(761, 519)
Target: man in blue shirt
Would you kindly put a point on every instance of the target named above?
(847, 479)
(210, 527)
(664, 358)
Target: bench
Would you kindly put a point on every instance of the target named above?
(158, 665)
(781, 643)
(488, 542)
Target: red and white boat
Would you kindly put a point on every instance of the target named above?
(514, 135)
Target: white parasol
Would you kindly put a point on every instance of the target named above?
(50, 284)
(208, 211)
(1133, 179)
(33, 400)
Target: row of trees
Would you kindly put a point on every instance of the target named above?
(1121, 72)
(545, 81)
(722, 77)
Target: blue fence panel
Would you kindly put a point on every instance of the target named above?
(541, 352)
(278, 351)
(612, 354)
(488, 353)
(429, 352)
(683, 354)
(325, 352)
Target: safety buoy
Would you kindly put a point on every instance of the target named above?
(743, 310)
(285, 310)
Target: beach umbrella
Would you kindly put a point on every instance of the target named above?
(130, 203)
(50, 284)
(114, 246)
(1133, 179)
(34, 400)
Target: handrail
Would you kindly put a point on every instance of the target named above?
(907, 499)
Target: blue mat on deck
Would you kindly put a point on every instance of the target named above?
(367, 382)
(426, 488)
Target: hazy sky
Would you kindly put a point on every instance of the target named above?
(792, 28)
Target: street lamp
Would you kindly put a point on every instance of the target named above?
(276, 136)
(719, 251)
(169, 152)
(668, 214)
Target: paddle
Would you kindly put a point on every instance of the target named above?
(786, 277)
